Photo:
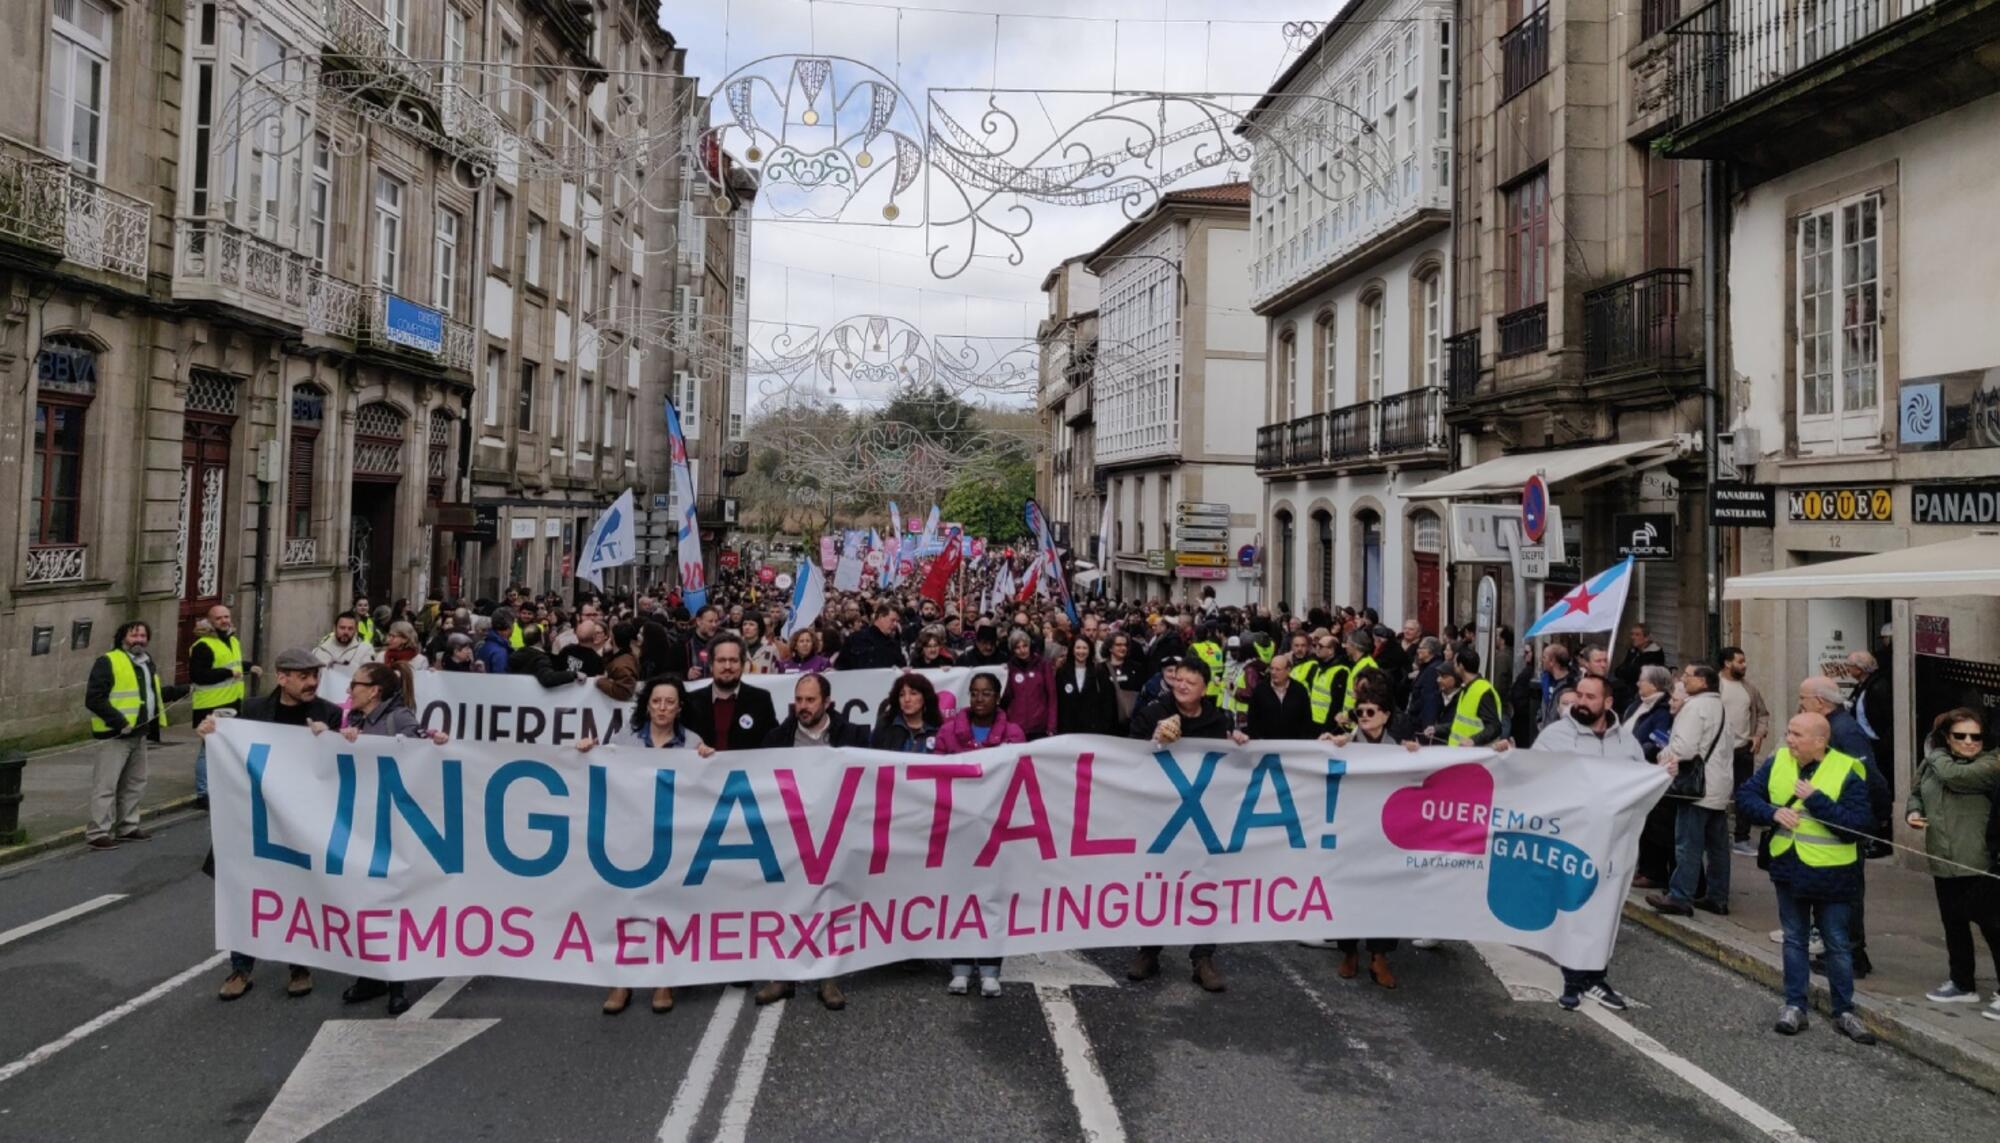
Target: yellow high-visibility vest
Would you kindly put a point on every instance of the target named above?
(1366, 662)
(1818, 846)
(1211, 654)
(125, 696)
(1465, 724)
(514, 639)
(228, 656)
(1320, 689)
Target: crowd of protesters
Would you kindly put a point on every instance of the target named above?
(1817, 794)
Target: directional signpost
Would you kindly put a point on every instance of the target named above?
(1201, 539)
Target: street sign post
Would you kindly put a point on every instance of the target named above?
(1535, 508)
(1534, 562)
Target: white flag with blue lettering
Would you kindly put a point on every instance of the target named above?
(611, 544)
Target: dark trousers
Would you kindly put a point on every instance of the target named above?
(1741, 766)
(245, 963)
(1966, 903)
(1799, 918)
(1701, 841)
(1656, 842)
(1580, 979)
(1375, 944)
(1195, 952)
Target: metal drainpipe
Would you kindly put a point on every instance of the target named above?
(1711, 241)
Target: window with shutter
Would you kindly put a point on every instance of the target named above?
(299, 483)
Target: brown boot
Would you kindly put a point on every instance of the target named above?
(1378, 967)
(775, 991)
(617, 1000)
(300, 984)
(1145, 965)
(831, 995)
(1350, 965)
(235, 986)
(663, 1000)
(1206, 974)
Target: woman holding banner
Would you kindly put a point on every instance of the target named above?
(381, 701)
(1371, 727)
(911, 718)
(1086, 699)
(981, 724)
(655, 724)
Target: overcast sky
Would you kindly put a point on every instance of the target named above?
(818, 274)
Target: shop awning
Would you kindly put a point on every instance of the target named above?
(1504, 476)
(1967, 566)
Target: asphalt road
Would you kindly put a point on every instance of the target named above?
(1289, 1052)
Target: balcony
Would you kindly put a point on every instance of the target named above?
(1461, 366)
(1524, 53)
(360, 35)
(1400, 427)
(446, 342)
(54, 563)
(1777, 84)
(48, 205)
(715, 509)
(1633, 326)
(1524, 331)
(221, 262)
(736, 458)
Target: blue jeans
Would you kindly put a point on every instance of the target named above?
(201, 768)
(1700, 835)
(1798, 917)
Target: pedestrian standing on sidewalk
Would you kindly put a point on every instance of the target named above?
(1590, 728)
(1651, 722)
(1701, 749)
(1816, 802)
(1951, 801)
(382, 703)
(128, 706)
(1749, 722)
(1821, 695)
(294, 702)
(215, 668)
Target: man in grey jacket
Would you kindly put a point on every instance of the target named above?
(1701, 826)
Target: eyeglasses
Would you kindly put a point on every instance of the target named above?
(1967, 736)
(1368, 711)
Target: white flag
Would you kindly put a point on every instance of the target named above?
(808, 598)
(612, 542)
(1104, 538)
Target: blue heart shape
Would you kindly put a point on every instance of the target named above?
(1532, 878)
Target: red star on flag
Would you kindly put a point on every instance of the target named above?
(1578, 601)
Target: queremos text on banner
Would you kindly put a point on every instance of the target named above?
(516, 708)
(398, 859)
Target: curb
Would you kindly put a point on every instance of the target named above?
(1968, 1061)
(74, 835)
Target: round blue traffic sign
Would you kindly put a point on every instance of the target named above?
(1535, 508)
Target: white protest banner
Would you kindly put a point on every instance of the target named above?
(516, 708)
(398, 859)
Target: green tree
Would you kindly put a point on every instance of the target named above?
(990, 503)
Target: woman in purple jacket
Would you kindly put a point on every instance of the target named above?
(979, 725)
(1031, 689)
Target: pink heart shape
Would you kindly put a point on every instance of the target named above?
(1447, 814)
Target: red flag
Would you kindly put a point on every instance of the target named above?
(943, 569)
(1028, 583)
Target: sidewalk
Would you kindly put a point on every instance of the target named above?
(56, 786)
(1905, 941)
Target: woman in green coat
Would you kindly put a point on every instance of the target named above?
(1952, 802)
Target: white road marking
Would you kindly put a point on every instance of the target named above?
(1354, 1043)
(54, 919)
(693, 1092)
(1088, 1090)
(1529, 978)
(1745, 1108)
(440, 995)
(750, 1075)
(106, 1019)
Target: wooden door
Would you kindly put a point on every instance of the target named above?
(1429, 584)
(204, 539)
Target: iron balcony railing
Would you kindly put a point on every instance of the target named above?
(1305, 440)
(1524, 53)
(1411, 421)
(55, 563)
(1526, 330)
(221, 261)
(1633, 325)
(46, 203)
(715, 509)
(1396, 425)
(458, 337)
(1271, 446)
(1461, 365)
(1728, 50)
(1348, 431)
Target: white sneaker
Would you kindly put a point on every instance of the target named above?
(1425, 943)
(1814, 946)
(1949, 993)
(989, 986)
(959, 983)
(1777, 936)
(1992, 1011)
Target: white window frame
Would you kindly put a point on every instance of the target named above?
(1828, 282)
(531, 253)
(444, 260)
(580, 423)
(1373, 315)
(496, 380)
(610, 416)
(1329, 341)
(1433, 330)
(319, 207)
(1288, 374)
(558, 383)
(396, 19)
(500, 237)
(454, 44)
(70, 43)
(562, 267)
(389, 194)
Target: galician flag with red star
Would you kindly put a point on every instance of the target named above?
(1593, 605)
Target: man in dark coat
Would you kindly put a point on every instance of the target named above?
(1279, 706)
(876, 645)
(727, 714)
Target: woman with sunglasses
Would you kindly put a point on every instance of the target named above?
(1371, 727)
(654, 724)
(381, 701)
(1951, 802)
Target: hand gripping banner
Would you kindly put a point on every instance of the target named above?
(398, 859)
